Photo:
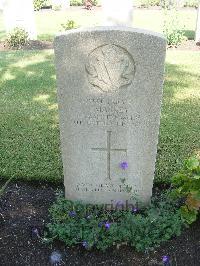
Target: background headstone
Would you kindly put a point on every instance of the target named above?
(197, 35)
(19, 13)
(109, 89)
(117, 13)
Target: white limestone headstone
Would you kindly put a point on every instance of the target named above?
(19, 13)
(117, 12)
(109, 90)
(197, 33)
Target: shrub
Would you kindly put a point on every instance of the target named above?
(38, 4)
(70, 24)
(17, 38)
(191, 3)
(92, 226)
(76, 2)
(81, 2)
(187, 185)
(56, 7)
(147, 3)
(171, 29)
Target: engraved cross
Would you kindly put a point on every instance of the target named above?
(108, 150)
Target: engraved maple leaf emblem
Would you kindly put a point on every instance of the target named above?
(110, 68)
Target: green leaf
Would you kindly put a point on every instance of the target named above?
(192, 163)
(187, 215)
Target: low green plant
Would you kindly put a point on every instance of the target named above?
(81, 2)
(94, 226)
(171, 28)
(56, 7)
(70, 24)
(17, 38)
(76, 2)
(148, 3)
(38, 4)
(186, 185)
(191, 3)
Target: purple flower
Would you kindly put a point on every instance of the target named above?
(35, 232)
(134, 210)
(124, 165)
(107, 225)
(55, 257)
(166, 260)
(72, 214)
(85, 244)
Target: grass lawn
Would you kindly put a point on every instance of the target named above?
(29, 143)
(48, 23)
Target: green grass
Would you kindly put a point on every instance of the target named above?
(29, 143)
(49, 23)
(180, 127)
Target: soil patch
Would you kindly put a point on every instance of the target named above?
(24, 206)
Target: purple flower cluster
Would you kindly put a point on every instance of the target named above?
(124, 165)
(166, 260)
(85, 244)
(134, 210)
(72, 214)
(35, 232)
(55, 257)
(105, 224)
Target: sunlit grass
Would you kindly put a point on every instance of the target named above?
(48, 23)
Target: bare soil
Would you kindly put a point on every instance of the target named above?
(24, 206)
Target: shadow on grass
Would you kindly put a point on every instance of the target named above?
(179, 129)
(29, 117)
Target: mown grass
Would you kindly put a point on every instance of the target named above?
(48, 23)
(29, 133)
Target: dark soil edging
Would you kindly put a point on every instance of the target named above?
(25, 205)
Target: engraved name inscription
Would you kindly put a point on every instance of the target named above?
(105, 187)
(105, 112)
(110, 67)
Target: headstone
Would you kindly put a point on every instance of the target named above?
(197, 35)
(19, 13)
(109, 90)
(64, 4)
(117, 13)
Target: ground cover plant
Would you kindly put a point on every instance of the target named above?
(93, 226)
(143, 228)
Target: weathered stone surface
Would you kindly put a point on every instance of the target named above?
(197, 33)
(109, 90)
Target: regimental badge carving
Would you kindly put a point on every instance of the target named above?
(110, 68)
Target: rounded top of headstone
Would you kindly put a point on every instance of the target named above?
(111, 29)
